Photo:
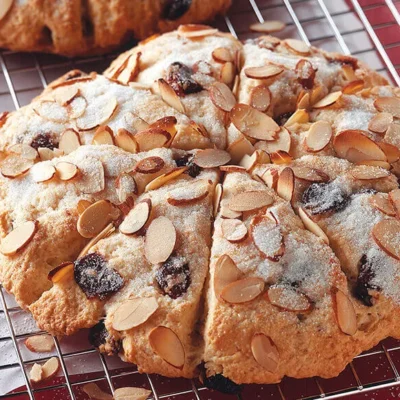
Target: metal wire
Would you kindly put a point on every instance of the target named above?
(109, 375)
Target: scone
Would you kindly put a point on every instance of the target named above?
(78, 27)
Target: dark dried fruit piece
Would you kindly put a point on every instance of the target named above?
(305, 74)
(179, 77)
(43, 140)
(187, 161)
(95, 278)
(283, 118)
(221, 384)
(365, 275)
(174, 9)
(320, 198)
(173, 277)
(100, 338)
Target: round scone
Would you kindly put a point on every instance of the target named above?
(92, 27)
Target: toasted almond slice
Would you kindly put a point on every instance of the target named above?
(372, 163)
(225, 273)
(77, 107)
(354, 146)
(309, 174)
(103, 135)
(169, 96)
(42, 172)
(239, 148)
(94, 392)
(232, 168)
(5, 7)
(97, 114)
(394, 198)
(134, 312)
(164, 178)
(131, 69)
(281, 143)
(24, 150)
(166, 124)
(83, 205)
(51, 111)
(222, 55)
(270, 178)
(249, 162)
(95, 218)
(383, 204)
(345, 313)
(243, 290)
(160, 240)
(285, 185)
(328, 100)
(303, 101)
(50, 368)
(228, 74)
(364, 172)
(265, 352)
(280, 157)
(36, 373)
(107, 231)
(217, 198)
(221, 96)
(226, 212)
(150, 165)
(305, 73)
(380, 122)
(264, 72)
(189, 194)
(66, 170)
(195, 31)
(250, 200)
(254, 123)
(165, 342)
(3, 117)
(211, 158)
(40, 343)
(298, 117)
(233, 230)
(131, 393)
(137, 218)
(297, 46)
(45, 154)
(268, 26)
(69, 141)
(288, 298)
(390, 105)
(64, 95)
(316, 94)
(386, 236)
(152, 138)
(312, 226)
(64, 272)
(126, 141)
(136, 124)
(318, 136)
(392, 152)
(17, 238)
(15, 165)
(260, 98)
(353, 86)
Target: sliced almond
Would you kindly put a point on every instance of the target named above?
(281, 143)
(15, 165)
(260, 98)
(77, 107)
(288, 298)
(280, 157)
(364, 172)
(312, 226)
(164, 178)
(95, 218)
(386, 236)
(42, 172)
(217, 198)
(36, 373)
(134, 312)
(305, 73)
(94, 392)
(264, 72)
(62, 273)
(64, 95)
(131, 393)
(221, 96)
(107, 231)
(152, 138)
(24, 150)
(239, 148)
(254, 123)
(249, 162)
(353, 87)
(383, 204)
(18, 238)
(392, 152)
(211, 158)
(222, 55)
(189, 194)
(228, 74)
(5, 7)
(166, 124)
(318, 136)
(303, 100)
(97, 113)
(346, 315)
(194, 31)
(135, 123)
(372, 163)
(131, 69)
(51, 111)
(232, 168)
(243, 290)
(394, 198)
(50, 368)
(328, 100)
(150, 165)
(380, 122)
(354, 146)
(165, 342)
(45, 154)
(83, 205)
(265, 352)
(390, 105)
(160, 240)
(285, 185)
(69, 141)
(250, 200)
(268, 26)
(298, 117)
(297, 46)
(103, 135)
(225, 273)
(40, 343)
(66, 170)
(126, 141)
(270, 178)
(137, 218)
(169, 96)
(233, 230)
(309, 174)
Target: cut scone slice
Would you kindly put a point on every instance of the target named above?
(193, 73)
(283, 286)
(155, 273)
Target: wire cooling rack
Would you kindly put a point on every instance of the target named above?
(368, 29)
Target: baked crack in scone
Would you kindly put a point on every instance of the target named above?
(207, 202)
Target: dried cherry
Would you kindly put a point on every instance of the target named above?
(187, 160)
(179, 76)
(43, 140)
(100, 338)
(363, 284)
